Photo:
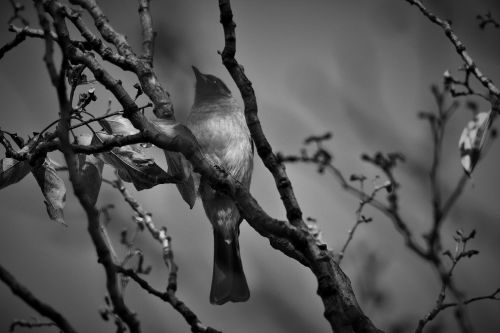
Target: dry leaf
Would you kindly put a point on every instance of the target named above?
(90, 169)
(132, 165)
(53, 189)
(472, 140)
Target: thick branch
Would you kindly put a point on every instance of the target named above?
(96, 43)
(49, 43)
(148, 35)
(80, 189)
(149, 82)
(105, 28)
(341, 308)
(264, 149)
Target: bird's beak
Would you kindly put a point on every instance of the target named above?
(197, 73)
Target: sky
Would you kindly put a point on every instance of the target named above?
(361, 69)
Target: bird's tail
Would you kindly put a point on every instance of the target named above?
(228, 280)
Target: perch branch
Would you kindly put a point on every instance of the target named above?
(341, 308)
(148, 34)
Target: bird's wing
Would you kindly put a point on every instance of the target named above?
(180, 168)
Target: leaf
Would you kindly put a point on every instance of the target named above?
(472, 140)
(132, 165)
(12, 170)
(90, 169)
(53, 189)
(179, 168)
(118, 125)
(121, 126)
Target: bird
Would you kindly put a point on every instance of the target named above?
(218, 123)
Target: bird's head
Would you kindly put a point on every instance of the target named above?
(209, 87)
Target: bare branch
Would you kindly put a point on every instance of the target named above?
(460, 253)
(94, 227)
(29, 324)
(493, 296)
(96, 43)
(360, 218)
(159, 235)
(49, 43)
(20, 37)
(294, 213)
(147, 78)
(107, 115)
(486, 20)
(42, 308)
(164, 239)
(105, 28)
(400, 225)
(464, 86)
(148, 34)
(18, 8)
(32, 32)
(341, 309)
(459, 47)
(438, 121)
(455, 194)
(169, 297)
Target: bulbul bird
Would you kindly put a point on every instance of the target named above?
(218, 123)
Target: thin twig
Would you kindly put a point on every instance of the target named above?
(360, 218)
(108, 115)
(169, 297)
(42, 308)
(29, 324)
(18, 8)
(460, 253)
(459, 47)
(487, 20)
(159, 235)
(164, 239)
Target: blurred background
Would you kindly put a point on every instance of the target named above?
(360, 69)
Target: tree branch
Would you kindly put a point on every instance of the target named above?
(459, 47)
(42, 308)
(341, 308)
(29, 324)
(148, 34)
(105, 258)
(18, 39)
(169, 297)
(159, 235)
(162, 237)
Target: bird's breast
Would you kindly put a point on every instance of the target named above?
(221, 130)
